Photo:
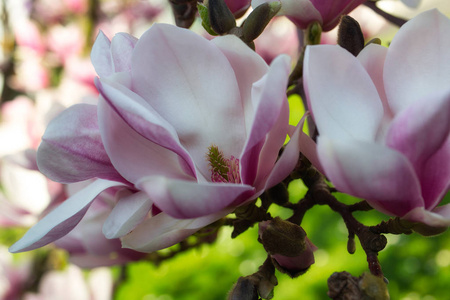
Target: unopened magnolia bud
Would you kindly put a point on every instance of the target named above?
(220, 16)
(373, 287)
(313, 33)
(282, 237)
(342, 285)
(184, 12)
(266, 286)
(366, 287)
(289, 248)
(350, 36)
(351, 246)
(244, 289)
(258, 19)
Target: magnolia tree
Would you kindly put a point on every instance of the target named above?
(188, 135)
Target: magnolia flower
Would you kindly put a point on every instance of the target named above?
(189, 128)
(304, 12)
(86, 244)
(383, 119)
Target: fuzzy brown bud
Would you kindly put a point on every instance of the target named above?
(221, 18)
(289, 248)
(350, 36)
(258, 19)
(244, 289)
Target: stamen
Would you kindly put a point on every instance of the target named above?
(222, 169)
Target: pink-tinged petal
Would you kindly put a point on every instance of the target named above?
(133, 155)
(271, 149)
(140, 116)
(171, 70)
(382, 176)
(341, 95)
(122, 46)
(309, 149)
(248, 67)
(288, 159)
(435, 176)
(438, 217)
(101, 56)
(62, 219)
(416, 67)
(130, 210)
(372, 58)
(270, 104)
(418, 132)
(188, 199)
(162, 231)
(92, 237)
(72, 149)
(286, 163)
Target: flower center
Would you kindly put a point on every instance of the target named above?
(223, 169)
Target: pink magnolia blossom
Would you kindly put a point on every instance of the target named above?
(188, 128)
(304, 12)
(87, 245)
(383, 119)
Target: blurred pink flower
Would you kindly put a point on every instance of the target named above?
(20, 127)
(194, 125)
(77, 6)
(279, 32)
(87, 245)
(65, 41)
(13, 275)
(28, 35)
(71, 284)
(31, 74)
(384, 119)
(303, 12)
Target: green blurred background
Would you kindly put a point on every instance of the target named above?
(417, 267)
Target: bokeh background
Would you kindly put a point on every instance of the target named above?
(45, 67)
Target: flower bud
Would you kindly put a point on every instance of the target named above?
(184, 12)
(350, 36)
(220, 16)
(244, 289)
(343, 285)
(289, 248)
(266, 286)
(258, 19)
